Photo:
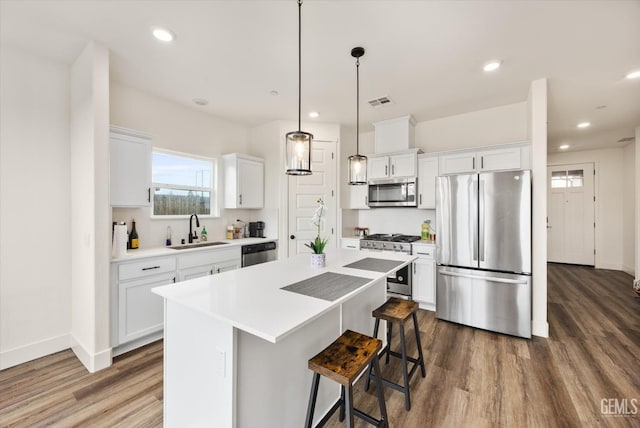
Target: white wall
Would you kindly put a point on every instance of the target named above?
(629, 191)
(537, 136)
(407, 221)
(35, 274)
(609, 192)
(90, 214)
(183, 129)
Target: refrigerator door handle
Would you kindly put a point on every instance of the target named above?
(473, 208)
(484, 278)
(481, 220)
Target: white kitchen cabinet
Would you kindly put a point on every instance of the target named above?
(139, 313)
(393, 165)
(350, 243)
(424, 276)
(491, 159)
(203, 263)
(358, 197)
(243, 181)
(130, 168)
(427, 174)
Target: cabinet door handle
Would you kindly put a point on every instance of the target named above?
(152, 267)
(240, 199)
(474, 163)
(385, 170)
(481, 162)
(173, 279)
(211, 272)
(218, 270)
(149, 194)
(366, 200)
(351, 246)
(414, 268)
(424, 254)
(393, 169)
(420, 198)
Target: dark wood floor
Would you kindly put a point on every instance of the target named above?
(474, 378)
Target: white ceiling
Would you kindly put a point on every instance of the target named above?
(426, 55)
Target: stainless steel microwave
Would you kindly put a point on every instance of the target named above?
(393, 192)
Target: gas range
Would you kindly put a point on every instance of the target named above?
(388, 242)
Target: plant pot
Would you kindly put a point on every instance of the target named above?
(318, 260)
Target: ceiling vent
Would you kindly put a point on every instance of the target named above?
(626, 140)
(380, 102)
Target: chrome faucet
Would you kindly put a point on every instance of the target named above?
(191, 226)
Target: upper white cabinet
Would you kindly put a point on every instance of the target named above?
(393, 165)
(243, 181)
(393, 135)
(130, 168)
(358, 197)
(491, 159)
(427, 173)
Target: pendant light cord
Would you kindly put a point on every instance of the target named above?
(357, 106)
(299, 63)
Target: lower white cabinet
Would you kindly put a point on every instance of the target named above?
(424, 276)
(137, 314)
(350, 243)
(140, 312)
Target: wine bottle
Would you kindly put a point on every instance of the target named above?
(133, 236)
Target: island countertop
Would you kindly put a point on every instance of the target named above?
(251, 298)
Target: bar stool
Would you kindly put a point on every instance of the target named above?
(397, 310)
(342, 362)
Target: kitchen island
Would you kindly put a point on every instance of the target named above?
(236, 344)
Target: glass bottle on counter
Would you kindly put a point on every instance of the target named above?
(133, 236)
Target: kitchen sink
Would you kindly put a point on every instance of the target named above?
(198, 245)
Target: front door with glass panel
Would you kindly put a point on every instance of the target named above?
(570, 214)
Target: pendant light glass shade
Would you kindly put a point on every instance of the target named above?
(357, 169)
(298, 147)
(357, 163)
(298, 143)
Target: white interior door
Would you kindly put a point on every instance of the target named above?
(304, 192)
(570, 214)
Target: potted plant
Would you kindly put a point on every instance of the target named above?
(318, 244)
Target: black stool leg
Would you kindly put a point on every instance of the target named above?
(349, 405)
(389, 329)
(420, 357)
(375, 335)
(342, 403)
(381, 403)
(312, 400)
(405, 375)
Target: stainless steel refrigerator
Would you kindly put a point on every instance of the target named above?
(484, 251)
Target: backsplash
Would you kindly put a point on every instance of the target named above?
(152, 232)
(406, 221)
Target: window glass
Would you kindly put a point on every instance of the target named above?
(183, 185)
(575, 178)
(558, 179)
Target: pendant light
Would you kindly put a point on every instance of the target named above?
(298, 143)
(357, 163)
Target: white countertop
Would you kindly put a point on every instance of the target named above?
(167, 251)
(251, 298)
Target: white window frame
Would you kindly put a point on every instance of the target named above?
(214, 200)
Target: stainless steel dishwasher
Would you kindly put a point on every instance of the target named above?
(259, 253)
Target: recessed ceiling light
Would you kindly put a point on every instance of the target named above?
(274, 93)
(163, 34)
(583, 125)
(601, 107)
(313, 114)
(633, 74)
(200, 101)
(492, 65)
(564, 147)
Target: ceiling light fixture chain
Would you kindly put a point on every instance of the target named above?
(298, 143)
(357, 163)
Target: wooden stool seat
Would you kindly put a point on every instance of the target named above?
(346, 358)
(342, 362)
(396, 310)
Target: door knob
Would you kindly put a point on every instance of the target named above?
(293, 237)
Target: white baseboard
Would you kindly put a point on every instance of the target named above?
(92, 362)
(29, 352)
(629, 269)
(610, 266)
(540, 328)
